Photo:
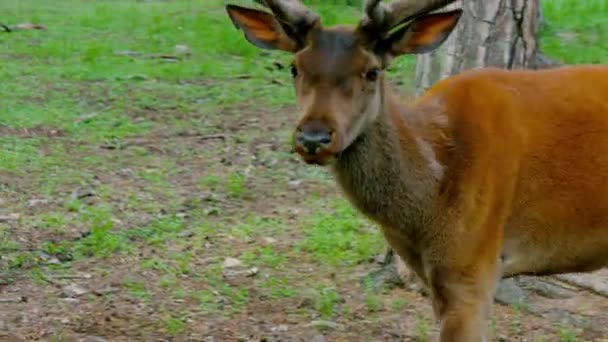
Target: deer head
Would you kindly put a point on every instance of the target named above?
(338, 72)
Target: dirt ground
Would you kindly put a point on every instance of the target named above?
(117, 298)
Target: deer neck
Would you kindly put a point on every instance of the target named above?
(390, 171)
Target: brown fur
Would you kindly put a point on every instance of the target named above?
(490, 174)
(526, 178)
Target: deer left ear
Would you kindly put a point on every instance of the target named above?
(423, 35)
(261, 29)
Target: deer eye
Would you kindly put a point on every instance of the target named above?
(294, 71)
(372, 74)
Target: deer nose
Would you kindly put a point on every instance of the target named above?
(313, 140)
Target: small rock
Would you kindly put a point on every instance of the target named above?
(92, 338)
(49, 258)
(125, 172)
(270, 240)
(232, 263)
(186, 234)
(233, 274)
(106, 290)
(294, 184)
(318, 338)
(71, 300)
(280, 328)
(80, 193)
(9, 217)
(252, 272)
(37, 202)
(509, 292)
(182, 49)
(73, 290)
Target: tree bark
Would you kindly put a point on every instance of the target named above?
(491, 33)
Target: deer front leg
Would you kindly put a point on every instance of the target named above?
(462, 304)
(463, 289)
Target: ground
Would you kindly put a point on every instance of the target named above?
(148, 191)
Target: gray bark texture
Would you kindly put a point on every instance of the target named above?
(491, 33)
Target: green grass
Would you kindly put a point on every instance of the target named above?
(174, 325)
(340, 236)
(575, 32)
(566, 335)
(327, 302)
(422, 329)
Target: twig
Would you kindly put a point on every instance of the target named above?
(72, 276)
(16, 299)
(213, 137)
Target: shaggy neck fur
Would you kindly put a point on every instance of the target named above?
(386, 173)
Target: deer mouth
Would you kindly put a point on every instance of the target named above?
(323, 157)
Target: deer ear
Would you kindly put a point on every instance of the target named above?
(423, 35)
(261, 29)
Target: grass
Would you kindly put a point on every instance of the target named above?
(88, 105)
(340, 236)
(579, 38)
(422, 329)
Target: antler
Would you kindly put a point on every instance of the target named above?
(381, 16)
(293, 15)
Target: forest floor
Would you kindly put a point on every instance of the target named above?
(148, 191)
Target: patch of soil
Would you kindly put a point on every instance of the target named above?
(125, 301)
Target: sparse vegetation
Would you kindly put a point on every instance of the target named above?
(144, 143)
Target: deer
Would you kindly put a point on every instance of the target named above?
(488, 174)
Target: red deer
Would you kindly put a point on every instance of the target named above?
(489, 174)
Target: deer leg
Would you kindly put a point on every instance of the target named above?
(462, 298)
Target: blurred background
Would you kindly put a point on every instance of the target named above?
(148, 191)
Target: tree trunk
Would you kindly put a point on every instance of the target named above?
(491, 33)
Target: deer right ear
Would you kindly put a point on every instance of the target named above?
(261, 29)
(424, 34)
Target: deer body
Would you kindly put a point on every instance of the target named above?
(505, 168)
(489, 174)
(537, 161)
